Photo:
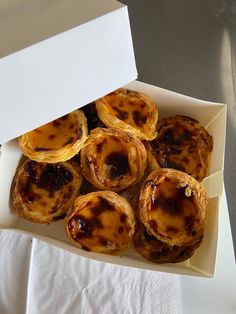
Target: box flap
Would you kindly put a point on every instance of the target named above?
(58, 56)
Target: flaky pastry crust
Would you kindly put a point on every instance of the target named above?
(172, 206)
(129, 111)
(182, 144)
(157, 251)
(112, 159)
(43, 192)
(56, 141)
(101, 222)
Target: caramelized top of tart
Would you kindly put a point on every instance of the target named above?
(157, 251)
(130, 111)
(56, 141)
(44, 192)
(112, 159)
(182, 144)
(173, 207)
(101, 222)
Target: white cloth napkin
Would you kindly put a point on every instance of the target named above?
(36, 278)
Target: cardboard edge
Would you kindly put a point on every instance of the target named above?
(140, 85)
(103, 258)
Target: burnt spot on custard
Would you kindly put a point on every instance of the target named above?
(82, 227)
(27, 195)
(123, 218)
(53, 177)
(139, 119)
(56, 123)
(176, 136)
(25, 183)
(101, 206)
(118, 165)
(50, 177)
(121, 114)
(172, 205)
(51, 136)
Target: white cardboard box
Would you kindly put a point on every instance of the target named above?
(58, 54)
(212, 116)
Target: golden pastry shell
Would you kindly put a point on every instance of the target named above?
(170, 154)
(69, 144)
(159, 252)
(147, 129)
(44, 213)
(157, 227)
(137, 159)
(119, 204)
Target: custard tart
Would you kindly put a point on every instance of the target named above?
(112, 159)
(129, 111)
(157, 251)
(182, 144)
(172, 206)
(56, 141)
(101, 222)
(43, 192)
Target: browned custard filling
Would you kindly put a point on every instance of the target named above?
(130, 111)
(56, 134)
(99, 227)
(42, 190)
(112, 159)
(113, 162)
(57, 141)
(159, 252)
(172, 210)
(184, 145)
(129, 108)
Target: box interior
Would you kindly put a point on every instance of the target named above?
(203, 261)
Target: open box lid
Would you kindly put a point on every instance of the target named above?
(56, 56)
